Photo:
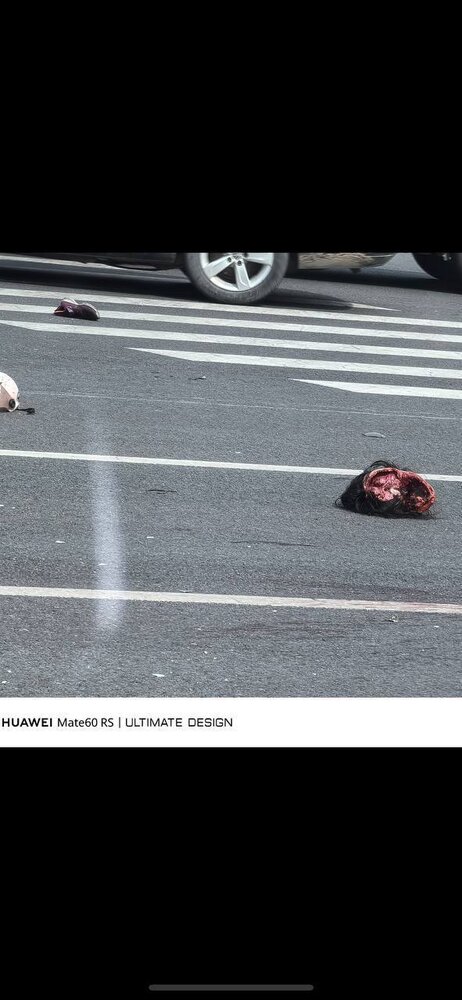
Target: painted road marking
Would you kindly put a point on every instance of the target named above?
(319, 365)
(188, 463)
(301, 345)
(387, 390)
(203, 306)
(157, 302)
(146, 333)
(242, 600)
(26, 307)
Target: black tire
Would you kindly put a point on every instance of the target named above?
(194, 269)
(437, 267)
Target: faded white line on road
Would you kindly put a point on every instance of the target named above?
(301, 345)
(107, 537)
(242, 600)
(262, 361)
(159, 401)
(374, 389)
(199, 464)
(91, 329)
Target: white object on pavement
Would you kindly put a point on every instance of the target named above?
(9, 393)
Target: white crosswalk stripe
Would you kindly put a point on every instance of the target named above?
(128, 323)
(302, 345)
(388, 390)
(333, 366)
(159, 301)
(210, 338)
(109, 331)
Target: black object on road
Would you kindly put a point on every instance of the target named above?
(388, 491)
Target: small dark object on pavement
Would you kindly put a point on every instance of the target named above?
(76, 310)
(388, 491)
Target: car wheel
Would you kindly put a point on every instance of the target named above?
(437, 267)
(241, 278)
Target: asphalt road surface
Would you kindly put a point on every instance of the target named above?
(166, 376)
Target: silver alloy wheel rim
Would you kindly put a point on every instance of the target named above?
(236, 272)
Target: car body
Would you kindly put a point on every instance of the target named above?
(164, 261)
(247, 278)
